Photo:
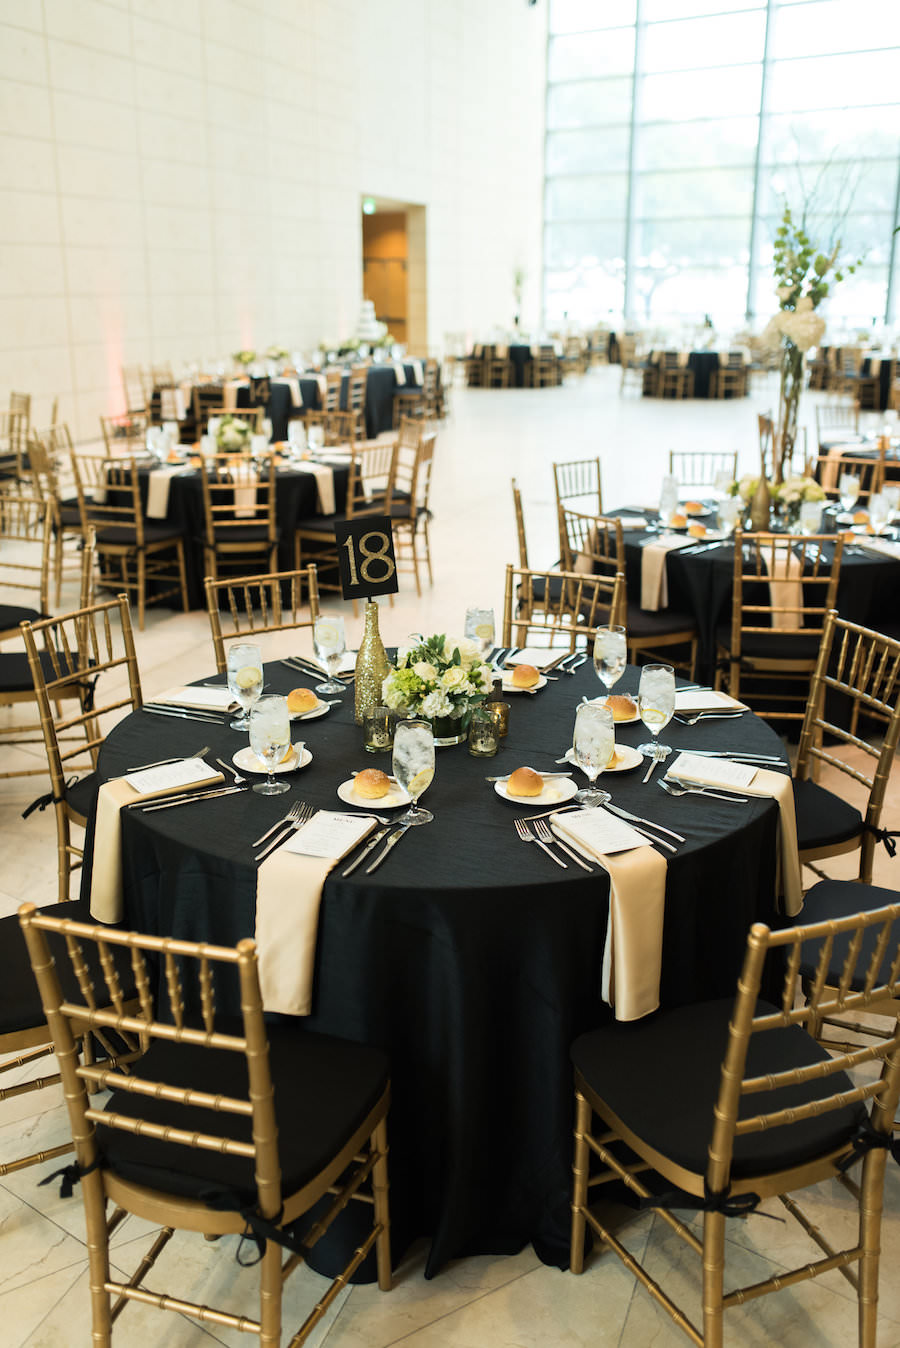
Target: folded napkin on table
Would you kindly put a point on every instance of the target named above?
(419, 372)
(785, 587)
(633, 522)
(881, 547)
(749, 781)
(539, 656)
(632, 956)
(294, 386)
(706, 700)
(288, 893)
(230, 392)
(322, 383)
(153, 784)
(198, 699)
(399, 372)
(324, 484)
(654, 584)
(158, 491)
(171, 404)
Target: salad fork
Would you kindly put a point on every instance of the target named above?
(304, 814)
(526, 835)
(280, 823)
(545, 834)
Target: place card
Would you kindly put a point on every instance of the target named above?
(186, 772)
(539, 656)
(330, 835)
(198, 699)
(692, 699)
(598, 831)
(712, 771)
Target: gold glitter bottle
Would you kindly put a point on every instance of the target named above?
(371, 665)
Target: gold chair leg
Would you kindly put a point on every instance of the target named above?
(870, 1208)
(270, 1284)
(580, 1169)
(379, 1142)
(713, 1278)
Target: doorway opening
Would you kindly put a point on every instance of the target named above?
(394, 273)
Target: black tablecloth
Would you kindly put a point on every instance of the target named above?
(381, 385)
(701, 582)
(469, 956)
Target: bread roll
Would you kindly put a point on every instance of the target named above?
(623, 708)
(302, 700)
(524, 676)
(693, 507)
(525, 782)
(860, 517)
(372, 783)
(678, 521)
(697, 530)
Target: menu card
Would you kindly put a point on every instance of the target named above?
(198, 699)
(186, 772)
(330, 834)
(692, 699)
(712, 771)
(539, 656)
(598, 831)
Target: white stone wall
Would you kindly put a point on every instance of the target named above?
(180, 178)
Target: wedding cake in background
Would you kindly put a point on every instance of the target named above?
(368, 328)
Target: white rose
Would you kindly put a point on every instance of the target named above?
(425, 671)
(453, 678)
(437, 704)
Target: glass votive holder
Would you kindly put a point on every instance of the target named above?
(484, 741)
(378, 730)
(499, 714)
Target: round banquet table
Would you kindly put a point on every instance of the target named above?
(471, 958)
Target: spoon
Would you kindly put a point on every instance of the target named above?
(691, 718)
(677, 789)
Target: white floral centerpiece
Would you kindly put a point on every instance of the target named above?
(245, 357)
(276, 353)
(441, 679)
(790, 493)
(233, 435)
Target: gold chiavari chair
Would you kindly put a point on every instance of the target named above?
(783, 587)
(134, 386)
(577, 484)
(256, 605)
(856, 677)
(700, 467)
(26, 531)
(124, 435)
(496, 369)
(410, 511)
(46, 450)
(730, 380)
(544, 368)
(558, 607)
(370, 488)
(331, 398)
(836, 418)
(218, 1127)
(206, 402)
(868, 469)
(357, 383)
(338, 428)
(419, 402)
(84, 674)
(144, 558)
(595, 545)
(756, 1109)
(13, 467)
(675, 379)
(239, 500)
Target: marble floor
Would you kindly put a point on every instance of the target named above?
(509, 1302)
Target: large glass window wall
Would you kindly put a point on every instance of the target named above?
(678, 129)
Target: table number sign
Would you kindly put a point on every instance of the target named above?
(366, 555)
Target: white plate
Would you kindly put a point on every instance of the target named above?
(394, 800)
(509, 687)
(628, 720)
(627, 759)
(554, 793)
(694, 514)
(246, 760)
(321, 709)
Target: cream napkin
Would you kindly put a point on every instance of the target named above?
(751, 781)
(654, 583)
(874, 367)
(106, 872)
(171, 404)
(323, 385)
(419, 372)
(230, 392)
(198, 699)
(288, 894)
(632, 955)
(158, 492)
(881, 547)
(699, 699)
(399, 372)
(324, 484)
(294, 386)
(785, 587)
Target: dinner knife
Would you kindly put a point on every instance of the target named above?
(391, 842)
(637, 819)
(370, 845)
(182, 714)
(188, 798)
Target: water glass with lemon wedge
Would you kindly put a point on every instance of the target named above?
(330, 643)
(480, 627)
(245, 680)
(270, 740)
(413, 764)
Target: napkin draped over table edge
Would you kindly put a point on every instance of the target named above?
(632, 954)
(654, 581)
(288, 895)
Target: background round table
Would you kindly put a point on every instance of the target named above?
(470, 957)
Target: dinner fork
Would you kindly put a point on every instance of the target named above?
(675, 788)
(526, 835)
(279, 823)
(546, 834)
(304, 814)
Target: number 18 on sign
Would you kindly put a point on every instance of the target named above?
(366, 553)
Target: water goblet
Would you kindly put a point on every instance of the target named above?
(593, 744)
(892, 495)
(610, 655)
(810, 517)
(848, 489)
(413, 766)
(729, 513)
(245, 680)
(315, 438)
(479, 627)
(270, 740)
(656, 704)
(879, 511)
(668, 500)
(330, 644)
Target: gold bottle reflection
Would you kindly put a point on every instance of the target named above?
(371, 665)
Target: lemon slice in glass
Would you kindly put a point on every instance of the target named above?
(326, 634)
(421, 782)
(485, 631)
(248, 676)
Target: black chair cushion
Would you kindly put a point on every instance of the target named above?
(830, 900)
(81, 794)
(20, 1002)
(243, 533)
(643, 625)
(15, 674)
(324, 1088)
(126, 535)
(660, 1076)
(11, 615)
(823, 818)
(761, 646)
(69, 516)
